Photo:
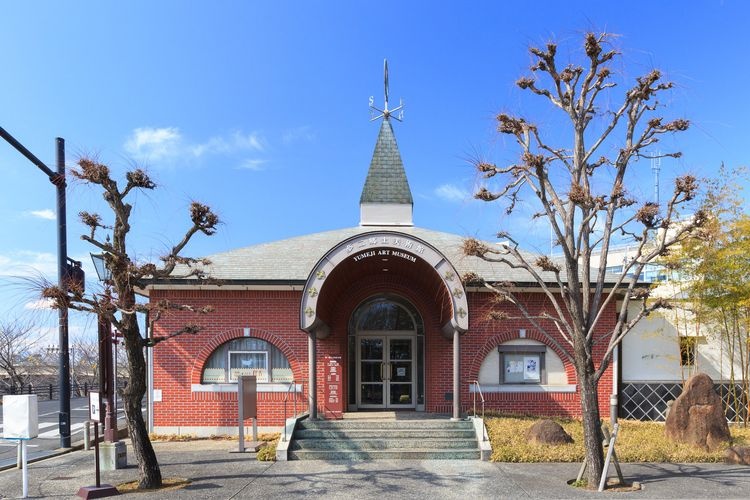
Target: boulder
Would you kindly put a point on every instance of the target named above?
(547, 432)
(739, 455)
(697, 415)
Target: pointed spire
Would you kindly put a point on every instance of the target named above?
(386, 198)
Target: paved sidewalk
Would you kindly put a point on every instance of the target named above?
(216, 473)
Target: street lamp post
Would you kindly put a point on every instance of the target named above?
(63, 276)
(106, 372)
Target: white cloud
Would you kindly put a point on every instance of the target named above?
(167, 144)
(237, 141)
(38, 305)
(252, 141)
(28, 263)
(450, 192)
(154, 143)
(304, 133)
(46, 214)
(252, 164)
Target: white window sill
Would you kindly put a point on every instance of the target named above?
(263, 387)
(489, 389)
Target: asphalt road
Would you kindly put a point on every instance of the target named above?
(49, 435)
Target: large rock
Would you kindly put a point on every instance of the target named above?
(547, 432)
(737, 455)
(697, 416)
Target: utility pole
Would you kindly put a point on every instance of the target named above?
(63, 273)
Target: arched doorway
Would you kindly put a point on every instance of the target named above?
(371, 255)
(386, 355)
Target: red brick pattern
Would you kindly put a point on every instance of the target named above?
(273, 317)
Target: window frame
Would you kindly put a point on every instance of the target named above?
(519, 350)
(229, 364)
(271, 357)
(688, 345)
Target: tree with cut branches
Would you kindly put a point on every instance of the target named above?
(18, 340)
(581, 188)
(118, 303)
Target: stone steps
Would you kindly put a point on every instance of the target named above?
(383, 443)
(397, 454)
(378, 433)
(386, 424)
(379, 439)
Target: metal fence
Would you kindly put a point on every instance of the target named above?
(49, 391)
(648, 401)
(52, 391)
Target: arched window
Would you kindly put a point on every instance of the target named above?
(246, 356)
(522, 363)
(383, 314)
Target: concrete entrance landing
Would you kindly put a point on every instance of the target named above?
(393, 415)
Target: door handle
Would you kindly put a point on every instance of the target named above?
(382, 379)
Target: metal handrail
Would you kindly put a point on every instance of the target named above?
(292, 385)
(481, 397)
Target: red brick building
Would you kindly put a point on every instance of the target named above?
(365, 318)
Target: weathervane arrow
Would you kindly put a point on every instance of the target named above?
(386, 113)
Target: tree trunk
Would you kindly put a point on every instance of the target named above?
(592, 436)
(133, 394)
(148, 465)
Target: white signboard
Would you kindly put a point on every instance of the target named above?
(95, 406)
(20, 417)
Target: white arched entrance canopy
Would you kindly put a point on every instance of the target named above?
(377, 244)
(367, 249)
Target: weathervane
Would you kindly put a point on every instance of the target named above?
(386, 113)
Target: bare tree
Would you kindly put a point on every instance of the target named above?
(18, 340)
(581, 188)
(118, 303)
(84, 364)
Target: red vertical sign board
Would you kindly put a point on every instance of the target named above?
(334, 389)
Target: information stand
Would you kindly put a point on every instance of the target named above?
(247, 408)
(21, 423)
(99, 490)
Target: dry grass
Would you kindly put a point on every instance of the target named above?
(171, 438)
(263, 436)
(636, 442)
(268, 452)
(168, 484)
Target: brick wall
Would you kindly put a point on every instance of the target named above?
(273, 316)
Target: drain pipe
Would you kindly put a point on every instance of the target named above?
(456, 380)
(613, 398)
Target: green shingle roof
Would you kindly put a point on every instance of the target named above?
(386, 180)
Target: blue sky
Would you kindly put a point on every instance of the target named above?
(260, 108)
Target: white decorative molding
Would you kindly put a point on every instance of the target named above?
(489, 389)
(233, 387)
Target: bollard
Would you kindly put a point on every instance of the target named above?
(87, 435)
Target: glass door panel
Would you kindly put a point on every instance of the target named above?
(400, 372)
(371, 371)
(386, 372)
(401, 395)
